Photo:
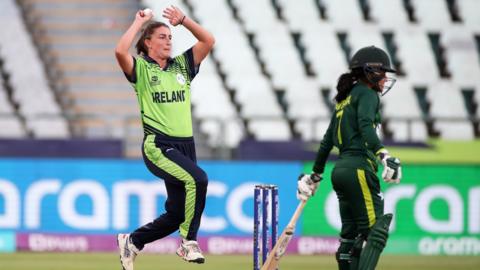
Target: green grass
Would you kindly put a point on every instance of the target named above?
(441, 151)
(109, 261)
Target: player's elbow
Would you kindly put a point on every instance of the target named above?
(210, 41)
(120, 52)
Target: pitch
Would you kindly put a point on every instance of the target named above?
(109, 261)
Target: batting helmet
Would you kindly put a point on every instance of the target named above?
(371, 57)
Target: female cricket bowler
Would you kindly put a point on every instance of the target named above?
(352, 130)
(162, 86)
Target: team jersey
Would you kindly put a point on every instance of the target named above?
(353, 130)
(164, 94)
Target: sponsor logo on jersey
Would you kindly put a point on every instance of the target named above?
(180, 79)
(168, 96)
(154, 81)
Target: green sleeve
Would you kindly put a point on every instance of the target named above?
(325, 147)
(368, 106)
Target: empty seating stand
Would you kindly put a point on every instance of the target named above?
(271, 65)
(27, 77)
(447, 106)
(10, 125)
(403, 115)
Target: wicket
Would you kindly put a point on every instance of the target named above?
(264, 197)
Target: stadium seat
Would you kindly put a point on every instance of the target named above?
(280, 57)
(257, 99)
(328, 60)
(277, 51)
(469, 12)
(304, 100)
(452, 122)
(389, 14)
(476, 97)
(399, 108)
(27, 75)
(257, 15)
(270, 129)
(10, 127)
(210, 99)
(460, 51)
(299, 14)
(228, 133)
(5, 106)
(400, 101)
(48, 127)
(312, 129)
(432, 15)
(414, 45)
(408, 130)
(344, 14)
(366, 35)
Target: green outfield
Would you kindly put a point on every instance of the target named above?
(440, 152)
(109, 261)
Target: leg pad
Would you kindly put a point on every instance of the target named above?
(376, 241)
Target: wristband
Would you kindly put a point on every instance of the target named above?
(181, 22)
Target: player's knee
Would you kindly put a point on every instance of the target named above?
(379, 233)
(177, 218)
(201, 179)
(170, 217)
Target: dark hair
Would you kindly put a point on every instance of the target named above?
(147, 34)
(346, 81)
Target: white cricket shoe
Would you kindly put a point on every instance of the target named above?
(190, 251)
(127, 251)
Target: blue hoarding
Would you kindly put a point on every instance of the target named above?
(7, 241)
(109, 196)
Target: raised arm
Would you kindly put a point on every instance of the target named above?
(205, 39)
(124, 58)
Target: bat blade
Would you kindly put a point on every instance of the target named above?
(282, 243)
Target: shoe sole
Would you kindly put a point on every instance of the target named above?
(198, 260)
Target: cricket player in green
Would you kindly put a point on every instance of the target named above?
(353, 130)
(162, 86)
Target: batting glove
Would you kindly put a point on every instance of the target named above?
(307, 185)
(392, 171)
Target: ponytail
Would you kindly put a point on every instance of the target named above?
(346, 81)
(344, 86)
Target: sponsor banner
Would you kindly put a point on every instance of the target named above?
(7, 241)
(436, 210)
(218, 245)
(63, 242)
(84, 196)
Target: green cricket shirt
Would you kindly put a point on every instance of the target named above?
(353, 130)
(164, 94)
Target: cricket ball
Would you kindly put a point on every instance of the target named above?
(147, 12)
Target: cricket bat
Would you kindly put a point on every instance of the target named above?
(282, 243)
